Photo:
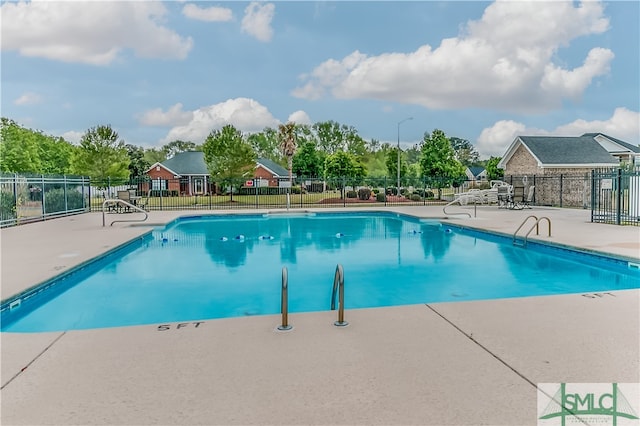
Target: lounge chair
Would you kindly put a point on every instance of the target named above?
(526, 202)
(505, 197)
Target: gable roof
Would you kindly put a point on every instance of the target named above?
(276, 169)
(476, 170)
(187, 163)
(626, 147)
(562, 151)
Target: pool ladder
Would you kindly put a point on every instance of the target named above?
(536, 225)
(338, 288)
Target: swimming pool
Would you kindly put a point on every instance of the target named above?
(207, 267)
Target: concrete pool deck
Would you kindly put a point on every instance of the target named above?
(445, 363)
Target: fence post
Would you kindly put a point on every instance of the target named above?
(66, 204)
(593, 193)
(344, 192)
(84, 206)
(384, 191)
(15, 194)
(44, 210)
(619, 196)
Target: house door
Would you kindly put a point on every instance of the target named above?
(198, 185)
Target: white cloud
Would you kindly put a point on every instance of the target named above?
(28, 98)
(299, 117)
(210, 14)
(73, 136)
(174, 116)
(90, 32)
(623, 124)
(257, 20)
(494, 140)
(247, 115)
(503, 61)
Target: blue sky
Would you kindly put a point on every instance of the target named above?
(483, 71)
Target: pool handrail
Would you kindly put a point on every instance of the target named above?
(338, 284)
(535, 225)
(126, 204)
(284, 301)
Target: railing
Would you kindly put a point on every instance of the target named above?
(457, 200)
(127, 205)
(338, 286)
(284, 301)
(535, 225)
(27, 198)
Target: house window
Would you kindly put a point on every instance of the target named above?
(198, 185)
(158, 184)
(157, 168)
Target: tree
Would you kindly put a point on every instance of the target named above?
(173, 148)
(437, 162)
(343, 165)
(464, 152)
(265, 144)
(55, 155)
(138, 164)
(332, 137)
(154, 155)
(287, 137)
(392, 163)
(493, 172)
(101, 155)
(308, 161)
(18, 149)
(228, 155)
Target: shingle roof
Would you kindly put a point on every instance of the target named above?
(187, 163)
(552, 150)
(627, 145)
(476, 170)
(276, 168)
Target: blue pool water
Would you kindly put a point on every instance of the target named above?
(203, 268)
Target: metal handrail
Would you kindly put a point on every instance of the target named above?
(284, 301)
(535, 225)
(338, 284)
(457, 200)
(127, 204)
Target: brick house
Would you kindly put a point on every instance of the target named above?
(186, 173)
(183, 174)
(563, 164)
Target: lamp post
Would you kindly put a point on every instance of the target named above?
(399, 123)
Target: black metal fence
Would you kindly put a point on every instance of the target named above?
(562, 190)
(26, 198)
(612, 195)
(178, 194)
(616, 196)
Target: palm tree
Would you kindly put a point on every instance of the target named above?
(287, 136)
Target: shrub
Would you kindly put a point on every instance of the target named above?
(415, 197)
(352, 194)
(54, 200)
(428, 194)
(392, 190)
(380, 197)
(376, 191)
(7, 206)
(364, 193)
